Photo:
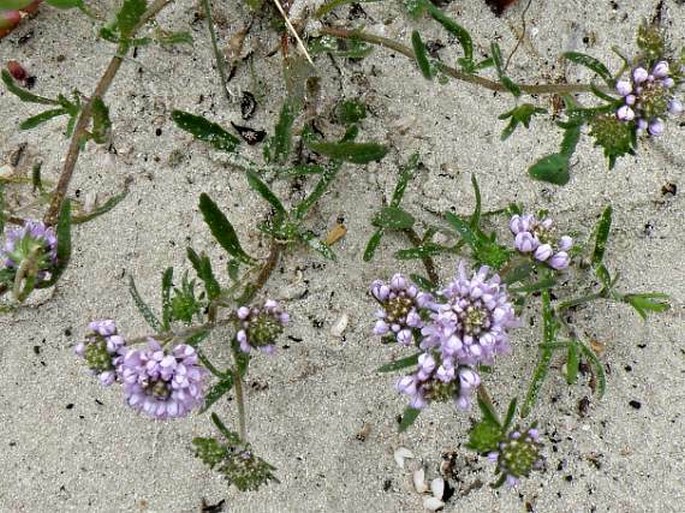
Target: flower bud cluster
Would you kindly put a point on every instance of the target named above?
(536, 237)
(260, 326)
(33, 241)
(103, 351)
(517, 455)
(463, 327)
(647, 97)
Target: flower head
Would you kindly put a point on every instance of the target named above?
(161, 383)
(260, 326)
(33, 241)
(647, 97)
(471, 326)
(517, 455)
(103, 351)
(400, 305)
(538, 238)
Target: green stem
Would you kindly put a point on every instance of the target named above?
(220, 63)
(492, 85)
(81, 128)
(580, 300)
(240, 399)
(426, 259)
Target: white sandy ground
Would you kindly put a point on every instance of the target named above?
(68, 445)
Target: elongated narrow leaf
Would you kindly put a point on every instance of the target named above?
(570, 140)
(143, 308)
(553, 169)
(263, 190)
(572, 363)
(372, 245)
(317, 244)
(453, 28)
(222, 229)
(63, 244)
(65, 4)
(428, 249)
(592, 64)
(319, 190)
(402, 363)
(506, 81)
(167, 282)
(423, 282)
(602, 235)
(101, 122)
(648, 302)
(407, 172)
(129, 16)
(217, 391)
(205, 130)
(597, 368)
(488, 412)
(279, 146)
(393, 218)
(102, 209)
(408, 418)
(203, 268)
(38, 119)
(421, 55)
(357, 153)
(23, 94)
(463, 229)
(511, 411)
(475, 217)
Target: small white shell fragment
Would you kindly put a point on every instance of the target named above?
(433, 504)
(419, 478)
(438, 487)
(401, 454)
(340, 325)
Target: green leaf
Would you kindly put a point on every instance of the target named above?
(572, 363)
(543, 284)
(352, 48)
(63, 233)
(648, 302)
(101, 121)
(278, 148)
(464, 230)
(402, 363)
(427, 249)
(319, 190)
(407, 172)
(332, 4)
(597, 368)
(44, 116)
(485, 436)
(357, 153)
(217, 391)
(421, 55)
(173, 38)
(475, 217)
(423, 282)
(23, 94)
(511, 411)
(521, 114)
(64, 4)
(129, 16)
(408, 418)
(315, 243)
(203, 268)
(570, 140)
(453, 28)
(506, 81)
(102, 209)
(372, 245)
(167, 282)
(349, 112)
(592, 64)
(602, 235)
(222, 229)
(263, 190)
(553, 169)
(205, 130)
(489, 414)
(393, 218)
(143, 308)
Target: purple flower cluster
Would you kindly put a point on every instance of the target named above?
(517, 455)
(163, 384)
(260, 326)
(537, 238)
(400, 302)
(32, 240)
(647, 97)
(160, 383)
(103, 351)
(464, 327)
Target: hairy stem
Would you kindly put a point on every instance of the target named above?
(81, 127)
(453, 72)
(240, 399)
(427, 260)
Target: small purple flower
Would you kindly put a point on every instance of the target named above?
(260, 326)
(647, 98)
(471, 326)
(439, 381)
(400, 305)
(103, 351)
(163, 384)
(540, 240)
(32, 240)
(517, 455)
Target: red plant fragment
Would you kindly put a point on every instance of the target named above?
(17, 71)
(499, 6)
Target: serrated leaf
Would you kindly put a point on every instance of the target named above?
(408, 418)
(263, 190)
(553, 169)
(402, 363)
(23, 94)
(205, 130)
(393, 218)
(357, 153)
(222, 229)
(129, 16)
(592, 64)
(421, 55)
(217, 391)
(143, 308)
(203, 268)
(648, 302)
(372, 245)
(44, 116)
(601, 236)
